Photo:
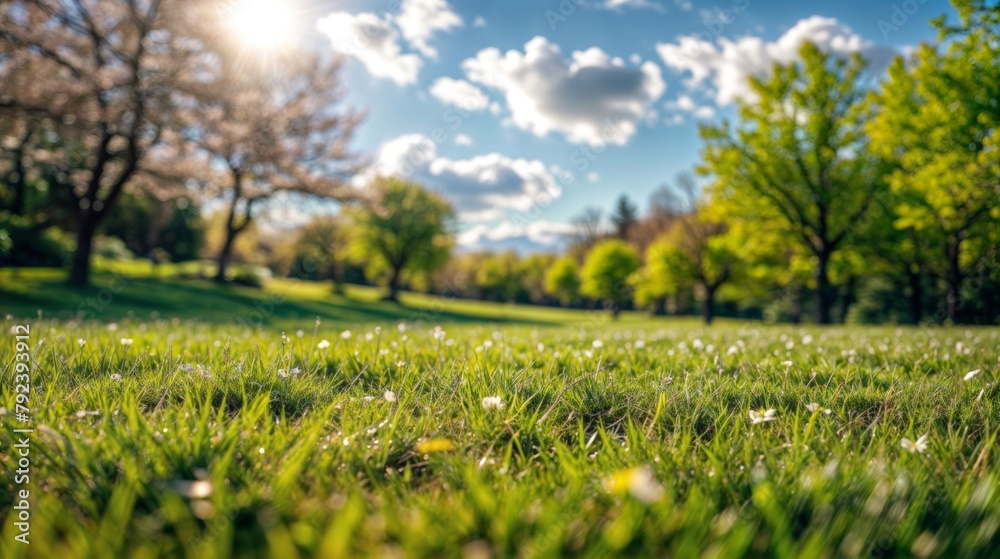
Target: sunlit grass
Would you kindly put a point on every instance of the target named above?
(209, 440)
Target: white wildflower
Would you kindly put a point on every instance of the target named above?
(919, 446)
(492, 402)
(757, 417)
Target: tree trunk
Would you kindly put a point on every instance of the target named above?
(797, 305)
(660, 307)
(224, 255)
(848, 299)
(824, 299)
(79, 275)
(615, 309)
(393, 287)
(708, 305)
(916, 296)
(954, 279)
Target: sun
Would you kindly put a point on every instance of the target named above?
(263, 25)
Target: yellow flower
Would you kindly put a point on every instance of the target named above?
(639, 482)
(434, 445)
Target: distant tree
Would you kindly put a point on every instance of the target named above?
(588, 229)
(696, 252)
(606, 272)
(265, 135)
(562, 281)
(499, 277)
(532, 272)
(624, 218)
(799, 159)
(404, 229)
(102, 75)
(936, 121)
(318, 250)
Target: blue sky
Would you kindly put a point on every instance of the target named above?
(550, 132)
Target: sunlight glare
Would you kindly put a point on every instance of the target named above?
(265, 25)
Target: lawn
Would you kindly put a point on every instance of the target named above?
(173, 423)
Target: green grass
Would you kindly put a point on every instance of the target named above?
(606, 449)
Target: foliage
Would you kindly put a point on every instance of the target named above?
(409, 231)
(624, 218)
(605, 273)
(798, 160)
(26, 243)
(938, 124)
(562, 281)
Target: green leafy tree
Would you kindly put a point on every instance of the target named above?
(562, 281)
(406, 230)
(937, 120)
(605, 274)
(798, 160)
(499, 278)
(695, 252)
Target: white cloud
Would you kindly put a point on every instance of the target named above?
(482, 188)
(532, 235)
(617, 5)
(728, 64)
(686, 105)
(419, 20)
(684, 5)
(591, 97)
(480, 21)
(593, 176)
(459, 93)
(463, 140)
(374, 42)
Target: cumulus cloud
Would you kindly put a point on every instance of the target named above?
(459, 93)
(590, 98)
(374, 42)
(481, 188)
(419, 20)
(463, 140)
(727, 65)
(531, 236)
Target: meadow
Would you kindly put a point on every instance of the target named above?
(173, 423)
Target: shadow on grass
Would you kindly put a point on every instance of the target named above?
(113, 298)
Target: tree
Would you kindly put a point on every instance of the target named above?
(799, 159)
(696, 252)
(937, 121)
(271, 134)
(99, 75)
(405, 229)
(624, 218)
(588, 229)
(606, 272)
(499, 277)
(317, 250)
(562, 281)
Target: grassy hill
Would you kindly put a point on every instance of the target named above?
(134, 291)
